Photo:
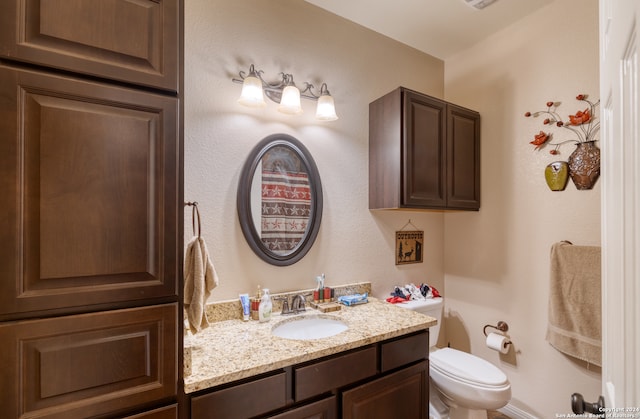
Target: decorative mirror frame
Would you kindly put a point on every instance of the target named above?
(247, 225)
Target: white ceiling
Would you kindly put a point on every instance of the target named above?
(441, 28)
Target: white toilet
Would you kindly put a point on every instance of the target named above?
(465, 386)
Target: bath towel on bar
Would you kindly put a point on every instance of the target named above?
(574, 326)
(200, 278)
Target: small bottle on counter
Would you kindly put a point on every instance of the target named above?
(264, 312)
(255, 305)
(318, 294)
(327, 294)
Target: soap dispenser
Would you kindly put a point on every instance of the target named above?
(264, 312)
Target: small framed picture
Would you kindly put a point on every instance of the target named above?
(409, 247)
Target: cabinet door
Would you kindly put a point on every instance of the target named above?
(463, 158)
(424, 151)
(404, 394)
(89, 365)
(131, 41)
(385, 151)
(89, 175)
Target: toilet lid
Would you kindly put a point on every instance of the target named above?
(468, 368)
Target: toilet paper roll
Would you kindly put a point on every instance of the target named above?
(498, 342)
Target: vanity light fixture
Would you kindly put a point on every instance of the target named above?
(290, 99)
(326, 110)
(252, 95)
(285, 93)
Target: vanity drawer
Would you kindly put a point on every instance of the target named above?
(404, 351)
(167, 412)
(322, 409)
(333, 373)
(243, 400)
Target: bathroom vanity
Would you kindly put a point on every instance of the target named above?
(379, 364)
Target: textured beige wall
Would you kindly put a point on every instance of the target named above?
(354, 244)
(497, 261)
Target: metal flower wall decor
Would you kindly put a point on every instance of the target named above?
(584, 125)
(583, 130)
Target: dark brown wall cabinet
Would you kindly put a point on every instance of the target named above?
(91, 228)
(130, 41)
(90, 193)
(90, 364)
(424, 153)
(387, 380)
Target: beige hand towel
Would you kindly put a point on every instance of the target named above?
(200, 278)
(575, 302)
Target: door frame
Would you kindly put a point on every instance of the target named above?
(620, 141)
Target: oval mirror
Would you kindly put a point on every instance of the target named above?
(280, 200)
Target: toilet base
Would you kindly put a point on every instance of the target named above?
(455, 413)
(438, 409)
(463, 413)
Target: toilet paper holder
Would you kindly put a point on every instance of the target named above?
(501, 326)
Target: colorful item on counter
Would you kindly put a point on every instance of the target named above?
(414, 292)
(322, 294)
(411, 292)
(327, 294)
(255, 305)
(264, 311)
(395, 300)
(246, 309)
(399, 293)
(354, 299)
(318, 294)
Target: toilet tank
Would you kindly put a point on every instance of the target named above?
(431, 307)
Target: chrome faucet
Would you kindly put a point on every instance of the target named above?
(297, 304)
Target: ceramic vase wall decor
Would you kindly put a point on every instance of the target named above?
(582, 129)
(557, 175)
(584, 165)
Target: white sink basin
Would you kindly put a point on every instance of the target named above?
(309, 327)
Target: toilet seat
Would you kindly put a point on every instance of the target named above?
(466, 368)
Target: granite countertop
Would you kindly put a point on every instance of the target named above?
(230, 350)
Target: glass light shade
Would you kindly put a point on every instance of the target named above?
(252, 94)
(326, 110)
(290, 101)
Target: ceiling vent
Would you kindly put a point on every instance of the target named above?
(478, 4)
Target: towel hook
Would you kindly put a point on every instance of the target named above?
(501, 326)
(195, 213)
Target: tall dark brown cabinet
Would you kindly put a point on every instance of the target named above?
(424, 153)
(91, 197)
